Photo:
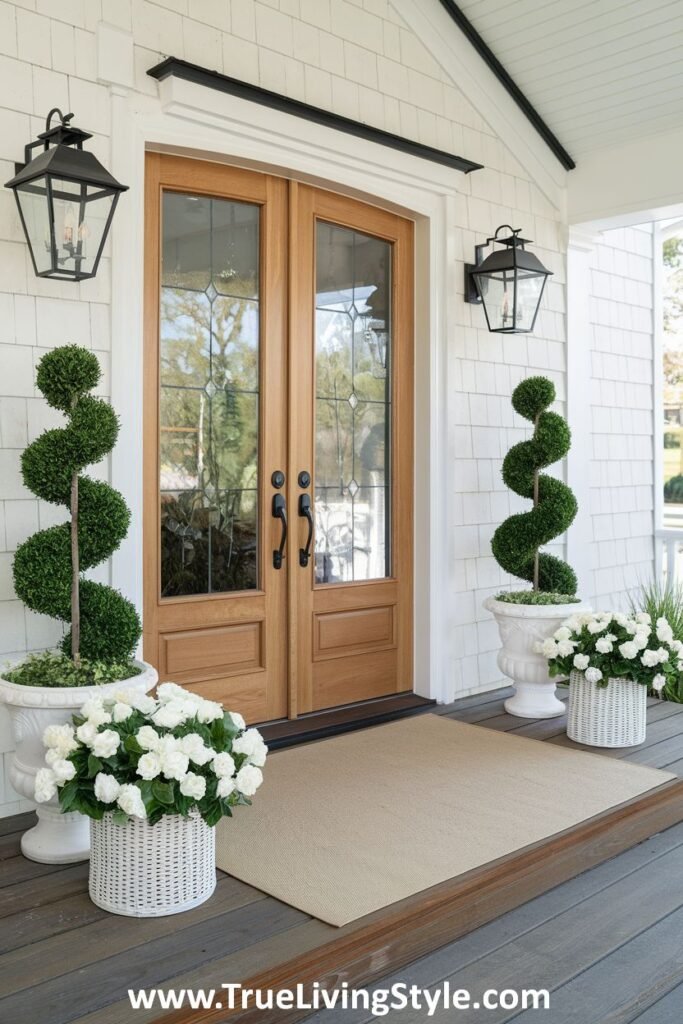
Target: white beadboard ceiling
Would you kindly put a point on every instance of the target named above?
(599, 72)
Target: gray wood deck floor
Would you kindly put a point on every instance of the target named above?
(607, 944)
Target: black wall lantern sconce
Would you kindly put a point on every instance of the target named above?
(66, 201)
(509, 283)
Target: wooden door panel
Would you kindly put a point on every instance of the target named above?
(225, 640)
(353, 637)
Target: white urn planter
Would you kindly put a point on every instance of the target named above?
(57, 838)
(143, 870)
(606, 716)
(521, 627)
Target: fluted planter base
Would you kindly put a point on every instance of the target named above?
(57, 838)
(521, 627)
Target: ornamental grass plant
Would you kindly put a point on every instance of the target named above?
(661, 601)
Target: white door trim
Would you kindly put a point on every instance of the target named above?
(193, 120)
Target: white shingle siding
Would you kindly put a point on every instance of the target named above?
(621, 467)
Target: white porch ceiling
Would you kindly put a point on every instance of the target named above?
(599, 72)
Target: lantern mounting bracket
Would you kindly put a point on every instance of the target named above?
(513, 240)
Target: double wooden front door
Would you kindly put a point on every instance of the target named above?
(278, 440)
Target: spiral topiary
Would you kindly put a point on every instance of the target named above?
(516, 542)
(43, 576)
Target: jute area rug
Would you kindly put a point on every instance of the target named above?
(345, 826)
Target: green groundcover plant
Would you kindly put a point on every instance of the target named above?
(104, 626)
(613, 645)
(140, 757)
(516, 542)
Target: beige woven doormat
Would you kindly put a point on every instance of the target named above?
(348, 825)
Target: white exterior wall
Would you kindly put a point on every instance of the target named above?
(622, 417)
(358, 59)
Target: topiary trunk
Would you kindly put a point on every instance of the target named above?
(47, 566)
(516, 542)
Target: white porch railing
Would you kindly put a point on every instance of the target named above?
(669, 555)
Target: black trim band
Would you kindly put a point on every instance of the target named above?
(223, 83)
(508, 84)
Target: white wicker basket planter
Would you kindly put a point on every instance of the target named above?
(143, 870)
(611, 716)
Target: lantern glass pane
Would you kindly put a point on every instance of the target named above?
(498, 294)
(81, 215)
(33, 204)
(529, 288)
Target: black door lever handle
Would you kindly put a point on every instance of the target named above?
(305, 513)
(280, 512)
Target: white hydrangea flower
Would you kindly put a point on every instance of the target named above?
(565, 648)
(604, 646)
(548, 648)
(573, 623)
(225, 786)
(658, 682)
(248, 779)
(593, 675)
(121, 712)
(174, 764)
(249, 742)
(193, 786)
(664, 631)
(171, 691)
(581, 662)
(193, 745)
(149, 765)
(209, 711)
(628, 650)
(106, 743)
(45, 785)
(620, 618)
(144, 703)
(106, 788)
(130, 801)
(641, 640)
(63, 771)
(597, 626)
(223, 765)
(676, 645)
(148, 738)
(95, 712)
(87, 733)
(172, 714)
(644, 617)
(563, 633)
(61, 738)
(631, 626)
(237, 719)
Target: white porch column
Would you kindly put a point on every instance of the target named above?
(579, 337)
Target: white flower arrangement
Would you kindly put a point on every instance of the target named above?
(142, 757)
(613, 645)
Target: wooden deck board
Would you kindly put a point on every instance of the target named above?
(241, 934)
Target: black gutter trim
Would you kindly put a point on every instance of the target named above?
(234, 87)
(508, 84)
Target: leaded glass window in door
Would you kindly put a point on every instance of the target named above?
(353, 405)
(209, 395)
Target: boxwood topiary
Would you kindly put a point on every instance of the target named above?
(108, 624)
(516, 542)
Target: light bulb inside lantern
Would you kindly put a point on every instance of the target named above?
(69, 225)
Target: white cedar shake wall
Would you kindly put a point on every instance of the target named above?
(358, 59)
(622, 466)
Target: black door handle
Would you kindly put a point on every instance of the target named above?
(280, 512)
(305, 513)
